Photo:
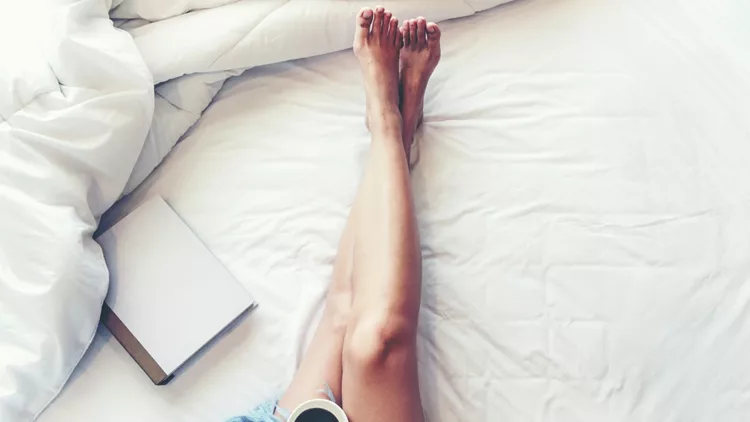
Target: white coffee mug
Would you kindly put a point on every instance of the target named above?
(324, 404)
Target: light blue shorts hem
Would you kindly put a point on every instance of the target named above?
(265, 411)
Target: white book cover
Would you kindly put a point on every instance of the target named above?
(167, 290)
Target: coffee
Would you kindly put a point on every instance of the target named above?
(316, 415)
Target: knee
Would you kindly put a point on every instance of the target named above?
(375, 339)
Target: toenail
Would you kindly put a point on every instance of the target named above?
(367, 13)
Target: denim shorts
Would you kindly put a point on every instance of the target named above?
(265, 411)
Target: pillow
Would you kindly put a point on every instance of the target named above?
(76, 102)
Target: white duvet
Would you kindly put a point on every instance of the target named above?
(583, 197)
(76, 101)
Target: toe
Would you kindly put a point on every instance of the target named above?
(405, 34)
(377, 24)
(421, 32)
(386, 23)
(393, 29)
(364, 19)
(413, 42)
(433, 34)
(399, 41)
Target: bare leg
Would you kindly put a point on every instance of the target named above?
(375, 335)
(380, 380)
(419, 58)
(322, 362)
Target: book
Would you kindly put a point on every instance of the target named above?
(168, 294)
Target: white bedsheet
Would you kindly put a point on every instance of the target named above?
(584, 203)
(222, 38)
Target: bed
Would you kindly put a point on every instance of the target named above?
(583, 195)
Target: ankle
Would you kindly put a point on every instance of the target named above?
(386, 119)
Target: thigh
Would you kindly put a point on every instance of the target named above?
(322, 365)
(320, 368)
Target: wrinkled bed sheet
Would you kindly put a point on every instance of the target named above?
(193, 46)
(584, 202)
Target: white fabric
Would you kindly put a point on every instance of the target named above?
(583, 197)
(178, 105)
(76, 104)
(213, 44)
(74, 114)
(157, 10)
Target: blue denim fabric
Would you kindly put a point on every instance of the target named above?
(265, 411)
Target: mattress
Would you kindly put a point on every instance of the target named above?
(583, 196)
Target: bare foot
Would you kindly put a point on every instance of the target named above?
(377, 44)
(419, 58)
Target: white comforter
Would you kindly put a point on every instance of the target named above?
(76, 101)
(80, 126)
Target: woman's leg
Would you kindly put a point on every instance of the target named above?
(380, 380)
(419, 58)
(378, 252)
(322, 363)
